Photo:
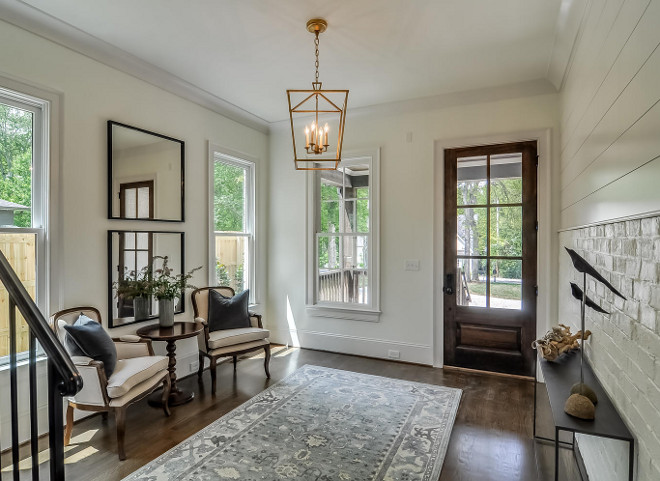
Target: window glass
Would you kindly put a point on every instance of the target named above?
(22, 235)
(343, 239)
(232, 215)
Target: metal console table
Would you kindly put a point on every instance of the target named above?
(559, 376)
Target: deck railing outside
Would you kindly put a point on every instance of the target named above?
(353, 289)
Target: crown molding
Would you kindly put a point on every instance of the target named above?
(29, 18)
(529, 88)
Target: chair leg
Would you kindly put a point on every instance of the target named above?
(234, 362)
(267, 360)
(120, 419)
(167, 387)
(200, 369)
(69, 425)
(213, 374)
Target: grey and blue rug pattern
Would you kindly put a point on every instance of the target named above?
(321, 424)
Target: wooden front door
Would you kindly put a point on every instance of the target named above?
(490, 257)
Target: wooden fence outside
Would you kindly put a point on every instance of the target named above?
(230, 252)
(20, 251)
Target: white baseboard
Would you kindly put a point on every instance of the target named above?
(360, 346)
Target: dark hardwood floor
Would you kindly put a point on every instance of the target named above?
(491, 439)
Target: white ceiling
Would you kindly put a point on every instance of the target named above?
(248, 52)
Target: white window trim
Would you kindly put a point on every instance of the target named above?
(244, 161)
(41, 110)
(346, 310)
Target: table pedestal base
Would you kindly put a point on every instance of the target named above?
(176, 398)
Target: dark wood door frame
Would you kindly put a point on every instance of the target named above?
(136, 185)
(495, 334)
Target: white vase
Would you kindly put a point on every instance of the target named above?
(140, 308)
(166, 312)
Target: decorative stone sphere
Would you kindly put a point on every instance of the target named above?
(579, 406)
(581, 388)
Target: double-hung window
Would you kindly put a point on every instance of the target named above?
(344, 269)
(23, 197)
(232, 244)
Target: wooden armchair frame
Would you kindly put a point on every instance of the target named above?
(93, 371)
(205, 350)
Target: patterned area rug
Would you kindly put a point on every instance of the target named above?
(321, 424)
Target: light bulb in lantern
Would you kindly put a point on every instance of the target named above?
(306, 137)
(325, 138)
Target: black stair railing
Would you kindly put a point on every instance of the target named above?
(63, 378)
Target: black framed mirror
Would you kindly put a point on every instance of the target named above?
(132, 258)
(145, 174)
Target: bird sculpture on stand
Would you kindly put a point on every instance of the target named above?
(583, 398)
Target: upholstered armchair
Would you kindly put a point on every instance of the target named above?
(227, 342)
(137, 374)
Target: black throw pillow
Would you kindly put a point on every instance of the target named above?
(228, 312)
(91, 340)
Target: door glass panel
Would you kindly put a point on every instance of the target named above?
(142, 260)
(471, 231)
(143, 210)
(506, 231)
(142, 240)
(506, 178)
(506, 284)
(129, 240)
(470, 282)
(130, 203)
(471, 181)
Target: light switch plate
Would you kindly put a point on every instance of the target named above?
(411, 265)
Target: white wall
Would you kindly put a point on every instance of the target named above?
(90, 94)
(410, 302)
(610, 162)
(610, 115)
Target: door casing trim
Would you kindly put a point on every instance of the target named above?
(547, 237)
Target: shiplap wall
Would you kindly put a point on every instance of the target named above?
(610, 116)
(610, 169)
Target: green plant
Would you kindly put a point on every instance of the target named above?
(134, 284)
(166, 285)
(223, 277)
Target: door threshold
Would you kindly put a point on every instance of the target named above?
(490, 373)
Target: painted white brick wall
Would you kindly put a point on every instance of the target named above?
(624, 349)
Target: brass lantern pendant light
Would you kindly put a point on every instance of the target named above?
(317, 118)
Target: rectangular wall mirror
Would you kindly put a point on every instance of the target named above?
(145, 174)
(130, 253)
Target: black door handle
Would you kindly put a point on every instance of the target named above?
(449, 285)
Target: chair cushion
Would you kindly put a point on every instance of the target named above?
(86, 337)
(131, 372)
(231, 337)
(228, 312)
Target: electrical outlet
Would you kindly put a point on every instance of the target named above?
(194, 366)
(411, 265)
(392, 354)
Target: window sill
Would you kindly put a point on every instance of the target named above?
(336, 312)
(21, 361)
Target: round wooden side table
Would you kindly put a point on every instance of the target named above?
(180, 330)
